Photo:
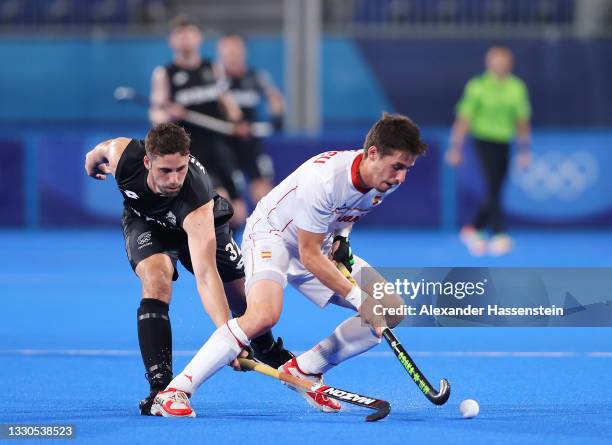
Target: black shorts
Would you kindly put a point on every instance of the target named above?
(251, 159)
(146, 238)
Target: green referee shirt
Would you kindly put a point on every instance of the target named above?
(494, 106)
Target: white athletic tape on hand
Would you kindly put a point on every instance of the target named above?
(354, 297)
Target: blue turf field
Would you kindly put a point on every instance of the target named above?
(69, 354)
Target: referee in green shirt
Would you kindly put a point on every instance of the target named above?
(494, 108)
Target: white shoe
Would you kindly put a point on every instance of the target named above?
(314, 399)
(172, 403)
(474, 240)
(500, 244)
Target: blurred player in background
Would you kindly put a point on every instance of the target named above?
(494, 107)
(193, 83)
(171, 213)
(294, 236)
(250, 88)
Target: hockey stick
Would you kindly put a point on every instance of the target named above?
(258, 129)
(381, 408)
(436, 397)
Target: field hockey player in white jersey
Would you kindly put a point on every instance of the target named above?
(296, 235)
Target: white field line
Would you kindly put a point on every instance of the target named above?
(189, 353)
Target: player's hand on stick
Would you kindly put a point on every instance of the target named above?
(341, 252)
(454, 156)
(368, 314)
(242, 130)
(245, 353)
(176, 112)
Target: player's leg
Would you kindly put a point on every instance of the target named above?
(230, 264)
(255, 164)
(223, 346)
(265, 301)
(258, 188)
(473, 235)
(154, 329)
(500, 242)
(231, 178)
(350, 338)
(155, 269)
(265, 348)
(487, 159)
(265, 267)
(353, 336)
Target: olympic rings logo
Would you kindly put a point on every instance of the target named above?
(557, 175)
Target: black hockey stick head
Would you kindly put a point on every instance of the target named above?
(383, 409)
(441, 397)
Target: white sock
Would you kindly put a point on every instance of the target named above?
(350, 338)
(222, 347)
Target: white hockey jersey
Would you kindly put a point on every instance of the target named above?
(321, 196)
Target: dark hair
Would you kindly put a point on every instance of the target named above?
(395, 132)
(167, 139)
(232, 35)
(182, 21)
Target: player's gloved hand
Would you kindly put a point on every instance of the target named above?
(342, 252)
(245, 353)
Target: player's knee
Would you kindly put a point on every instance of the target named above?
(267, 321)
(255, 322)
(264, 306)
(259, 321)
(155, 275)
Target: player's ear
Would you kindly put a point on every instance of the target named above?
(372, 152)
(147, 162)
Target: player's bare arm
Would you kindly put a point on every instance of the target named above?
(103, 159)
(326, 271)
(523, 129)
(454, 154)
(162, 108)
(276, 104)
(320, 265)
(199, 226)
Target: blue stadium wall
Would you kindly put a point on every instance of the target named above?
(58, 102)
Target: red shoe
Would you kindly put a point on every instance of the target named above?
(172, 403)
(315, 399)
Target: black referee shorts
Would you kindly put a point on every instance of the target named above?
(146, 238)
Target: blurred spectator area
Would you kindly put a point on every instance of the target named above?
(135, 16)
(66, 15)
(361, 17)
(467, 18)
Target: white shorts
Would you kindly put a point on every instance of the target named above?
(267, 257)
